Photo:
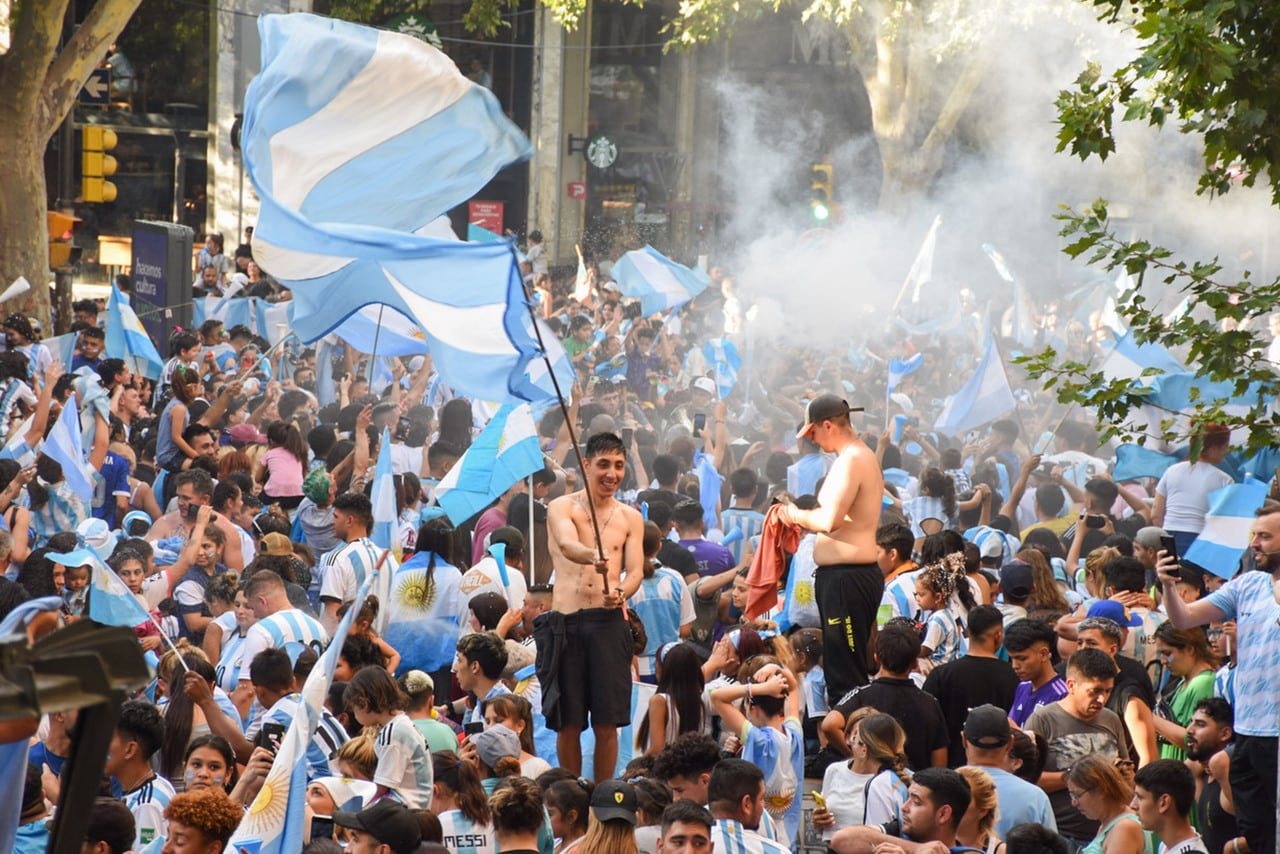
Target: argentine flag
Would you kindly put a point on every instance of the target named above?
(723, 358)
(984, 398)
(505, 452)
(110, 600)
(127, 339)
(383, 497)
(900, 369)
(657, 281)
(353, 165)
(1128, 359)
(1227, 527)
(63, 444)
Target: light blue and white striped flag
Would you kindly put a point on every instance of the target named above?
(63, 444)
(505, 452)
(723, 358)
(353, 165)
(1128, 359)
(1227, 527)
(984, 398)
(62, 347)
(385, 521)
(127, 338)
(657, 281)
(110, 600)
(399, 336)
(275, 821)
(899, 369)
(383, 496)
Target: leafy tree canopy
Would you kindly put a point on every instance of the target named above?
(1209, 68)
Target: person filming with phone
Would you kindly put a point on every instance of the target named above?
(1250, 599)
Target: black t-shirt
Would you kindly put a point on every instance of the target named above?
(1215, 824)
(918, 713)
(964, 684)
(680, 559)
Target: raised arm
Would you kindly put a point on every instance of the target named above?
(1019, 488)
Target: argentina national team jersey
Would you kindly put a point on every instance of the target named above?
(148, 803)
(281, 630)
(346, 568)
(404, 764)
(328, 738)
(749, 522)
(730, 837)
(464, 836)
(664, 605)
(944, 635)
(229, 662)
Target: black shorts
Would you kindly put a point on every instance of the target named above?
(848, 596)
(595, 668)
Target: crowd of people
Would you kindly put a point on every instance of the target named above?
(730, 611)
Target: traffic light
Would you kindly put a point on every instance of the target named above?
(97, 165)
(821, 203)
(62, 253)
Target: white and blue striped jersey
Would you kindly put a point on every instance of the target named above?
(279, 631)
(147, 803)
(1224, 683)
(328, 738)
(404, 763)
(924, 507)
(944, 635)
(344, 569)
(464, 836)
(899, 599)
(663, 604)
(730, 837)
(229, 663)
(749, 522)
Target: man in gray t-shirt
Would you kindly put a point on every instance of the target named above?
(1077, 726)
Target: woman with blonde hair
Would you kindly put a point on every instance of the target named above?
(977, 828)
(1045, 596)
(611, 828)
(1102, 794)
(872, 786)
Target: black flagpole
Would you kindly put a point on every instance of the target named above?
(568, 423)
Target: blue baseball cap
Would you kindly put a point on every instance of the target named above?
(1114, 611)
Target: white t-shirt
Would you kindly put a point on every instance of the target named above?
(1186, 487)
(405, 458)
(485, 578)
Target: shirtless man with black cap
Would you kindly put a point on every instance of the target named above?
(847, 584)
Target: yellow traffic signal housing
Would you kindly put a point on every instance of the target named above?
(820, 204)
(61, 252)
(97, 165)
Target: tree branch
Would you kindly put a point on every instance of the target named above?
(77, 59)
(953, 108)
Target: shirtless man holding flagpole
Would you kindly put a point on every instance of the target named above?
(584, 641)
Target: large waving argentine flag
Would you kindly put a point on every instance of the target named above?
(984, 398)
(657, 281)
(353, 159)
(1227, 527)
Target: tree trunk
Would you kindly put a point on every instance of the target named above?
(24, 244)
(38, 87)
